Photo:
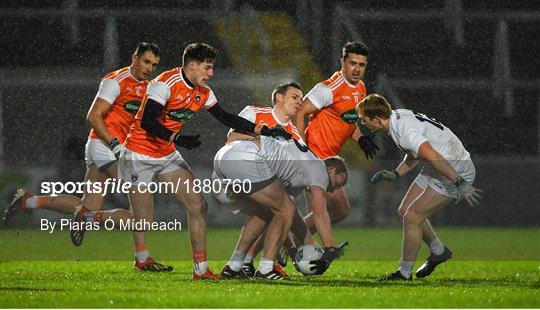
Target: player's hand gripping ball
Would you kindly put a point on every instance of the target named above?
(304, 255)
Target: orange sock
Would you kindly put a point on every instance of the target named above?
(97, 216)
(199, 256)
(40, 202)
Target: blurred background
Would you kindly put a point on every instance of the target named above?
(474, 65)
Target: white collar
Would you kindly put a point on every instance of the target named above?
(344, 79)
(278, 120)
(136, 79)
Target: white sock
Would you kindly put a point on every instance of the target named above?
(31, 203)
(406, 268)
(142, 255)
(266, 265)
(200, 267)
(436, 246)
(248, 259)
(237, 260)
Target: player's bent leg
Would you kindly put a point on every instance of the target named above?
(425, 205)
(95, 200)
(68, 203)
(83, 216)
(412, 194)
(428, 234)
(248, 235)
(192, 200)
(274, 198)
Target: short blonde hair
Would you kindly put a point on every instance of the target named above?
(374, 105)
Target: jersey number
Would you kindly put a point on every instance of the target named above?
(423, 118)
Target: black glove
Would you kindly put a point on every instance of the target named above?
(188, 142)
(342, 248)
(115, 147)
(330, 254)
(275, 132)
(384, 175)
(368, 146)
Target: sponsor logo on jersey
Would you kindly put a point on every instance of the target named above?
(180, 115)
(350, 116)
(132, 106)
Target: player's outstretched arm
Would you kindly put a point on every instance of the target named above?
(242, 125)
(405, 166)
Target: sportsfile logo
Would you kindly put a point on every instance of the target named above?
(116, 186)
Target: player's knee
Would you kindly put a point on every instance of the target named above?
(412, 218)
(339, 214)
(290, 210)
(286, 210)
(400, 213)
(337, 218)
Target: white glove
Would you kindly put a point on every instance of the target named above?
(469, 193)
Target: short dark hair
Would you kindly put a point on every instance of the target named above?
(282, 89)
(338, 163)
(200, 52)
(354, 48)
(142, 47)
(374, 105)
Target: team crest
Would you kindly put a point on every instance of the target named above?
(198, 98)
(134, 177)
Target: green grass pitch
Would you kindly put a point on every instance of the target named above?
(494, 268)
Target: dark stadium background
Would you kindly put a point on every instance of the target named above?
(473, 65)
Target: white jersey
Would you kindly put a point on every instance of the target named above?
(409, 130)
(294, 164)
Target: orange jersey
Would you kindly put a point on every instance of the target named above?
(264, 116)
(335, 121)
(180, 101)
(125, 93)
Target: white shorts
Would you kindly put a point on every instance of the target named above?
(98, 152)
(441, 184)
(243, 160)
(138, 168)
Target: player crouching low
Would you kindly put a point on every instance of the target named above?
(271, 192)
